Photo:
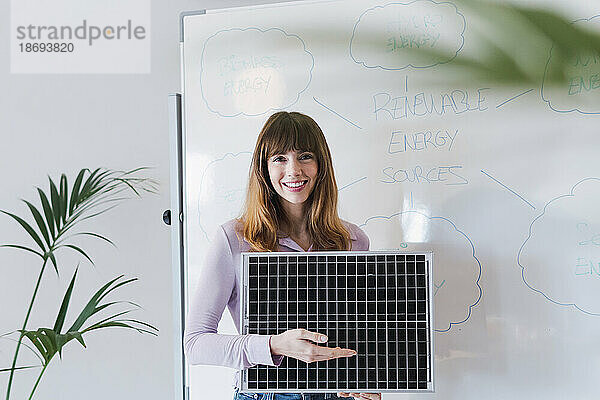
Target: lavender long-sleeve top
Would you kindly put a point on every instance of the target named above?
(219, 286)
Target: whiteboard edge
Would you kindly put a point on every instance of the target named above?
(184, 14)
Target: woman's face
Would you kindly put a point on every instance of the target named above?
(293, 175)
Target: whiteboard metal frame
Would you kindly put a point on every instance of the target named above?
(178, 265)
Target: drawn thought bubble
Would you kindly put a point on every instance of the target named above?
(560, 259)
(252, 71)
(456, 269)
(222, 190)
(581, 92)
(418, 34)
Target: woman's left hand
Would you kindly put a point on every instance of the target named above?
(369, 396)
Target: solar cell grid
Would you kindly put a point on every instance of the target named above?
(375, 303)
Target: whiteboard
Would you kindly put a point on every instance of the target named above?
(501, 183)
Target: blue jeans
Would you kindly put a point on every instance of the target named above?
(284, 396)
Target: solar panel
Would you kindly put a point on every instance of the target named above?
(377, 303)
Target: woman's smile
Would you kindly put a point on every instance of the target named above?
(295, 186)
(293, 175)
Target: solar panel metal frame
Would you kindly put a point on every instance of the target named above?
(245, 315)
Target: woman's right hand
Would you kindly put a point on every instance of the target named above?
(299, 344)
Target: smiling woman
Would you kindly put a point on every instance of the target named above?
(291, 205)
(293, 177)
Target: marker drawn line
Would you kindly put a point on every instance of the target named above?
(438, 287)
(336, 113)
(512, 98)
(398, 68)
(480, 290)
(200, 221)
(507, 188)
(545, 97)
(523, 267)
(361, 179)
(203, 70)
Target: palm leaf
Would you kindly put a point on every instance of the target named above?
(62, 340)
(123, 283)
(18, 368)
(119, 324)
(24, 344)
(47, 212)
(128, 184)
(39, 221)
(45, 345)
(88, 234)
(88, 187)
(112, 303)
(64, 197)
(139, 322)
(88, 310)
(60, 210)
(60, 318)
(103, 306)
(133, 171)
(48, 342)
(54, 264)
(75, 190)
(92, 204)
(98, 179)
(71, 246)
(98, 213)
(16, 246)
(48, 339)
(110, 317)
(85, 188)
(55, 200)
(28, 228)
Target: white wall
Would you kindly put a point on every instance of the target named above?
(60, 123)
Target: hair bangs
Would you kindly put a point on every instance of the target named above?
(290, 134)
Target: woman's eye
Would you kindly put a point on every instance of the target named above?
(279, 159)
(306, 156)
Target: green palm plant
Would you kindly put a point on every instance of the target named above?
(62, 209)
(50, 341)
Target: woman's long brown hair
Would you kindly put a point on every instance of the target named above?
(263, 213)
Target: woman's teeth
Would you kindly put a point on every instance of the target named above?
(295, 185)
